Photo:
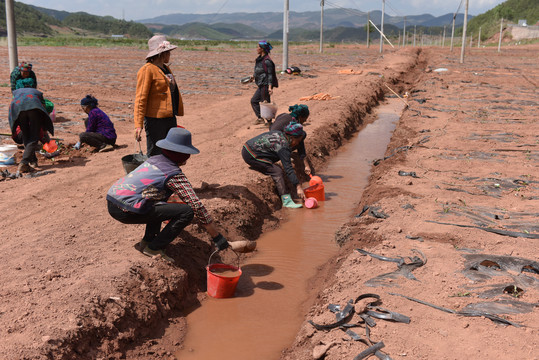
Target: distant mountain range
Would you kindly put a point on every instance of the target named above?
(340, 25)
(333, 18)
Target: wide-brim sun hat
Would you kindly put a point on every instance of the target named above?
(178, 140)
(159, 44)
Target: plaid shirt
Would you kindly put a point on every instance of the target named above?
(182, 187)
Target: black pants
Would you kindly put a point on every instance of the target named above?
(270, 169)
(31, 123)
(261, 94)
(95, 139)
(179, 216)
(157, 129)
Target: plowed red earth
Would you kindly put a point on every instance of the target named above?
(75, 287)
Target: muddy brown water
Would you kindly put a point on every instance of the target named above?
(265, 314)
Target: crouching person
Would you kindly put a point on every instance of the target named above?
(140, 197)
(262, 153)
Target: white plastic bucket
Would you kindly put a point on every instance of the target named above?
(268, 110)
(7, 155)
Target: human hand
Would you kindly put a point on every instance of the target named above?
(270, 91)
(300, 192)
(221, 242)
(138, 132)
(308, 170)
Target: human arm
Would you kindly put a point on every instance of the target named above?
(91, 122)
(15, 75)
(285, 157)
(144, 81)
(182, 187)
(270, 71)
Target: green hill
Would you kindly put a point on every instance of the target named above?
(106, 25)
(196, 31)
(511, 10)
(30, 20)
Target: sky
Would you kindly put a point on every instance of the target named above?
(146, 9)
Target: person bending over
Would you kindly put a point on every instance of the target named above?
(262, 153)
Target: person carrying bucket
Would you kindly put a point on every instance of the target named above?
(298, 113)
(265, 78)
(263, 151)
(157, 100)
(140, 197)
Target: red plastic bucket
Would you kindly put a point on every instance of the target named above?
(315, 180)
(222, 279)
(315, 191)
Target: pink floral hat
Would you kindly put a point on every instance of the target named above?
(159, 44)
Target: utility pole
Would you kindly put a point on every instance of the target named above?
(322, 26)
(479, 38)
(285, 36)
(443, 41)
(368, 28)
(11, 35)
(399, 38)
(404, 34)
(414, 34)
(463, 46)
(501, 33)
(382, 27)
(453, 31)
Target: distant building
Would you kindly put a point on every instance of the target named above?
(522, 23)
(117, 36)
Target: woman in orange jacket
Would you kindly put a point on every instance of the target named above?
(158, 100)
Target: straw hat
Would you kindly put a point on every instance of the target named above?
(158, 44)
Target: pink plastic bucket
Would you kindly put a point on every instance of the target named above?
(311, 203)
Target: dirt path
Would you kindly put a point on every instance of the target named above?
(75, 287)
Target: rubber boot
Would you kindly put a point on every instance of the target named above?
(288, 202)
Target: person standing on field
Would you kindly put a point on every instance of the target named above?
(158, 100)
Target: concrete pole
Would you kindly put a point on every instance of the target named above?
(501, 33)
(414, 34)
(322, 26)
(399, 38)
(443, 41)
(11, 35)
(368, 28)
(285, 36)
(382, 27)
(479, 38)
(453, 32)
(404, 34)
(463, 46)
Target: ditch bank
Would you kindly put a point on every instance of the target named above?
(440, 260)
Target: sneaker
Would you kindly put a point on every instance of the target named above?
(153, 253)
(33, 163)
(105, 148)
(259, 121)
(25, 168)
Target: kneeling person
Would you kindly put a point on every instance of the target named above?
(139, 197)
(100, 132)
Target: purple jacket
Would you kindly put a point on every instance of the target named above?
(99, 122)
